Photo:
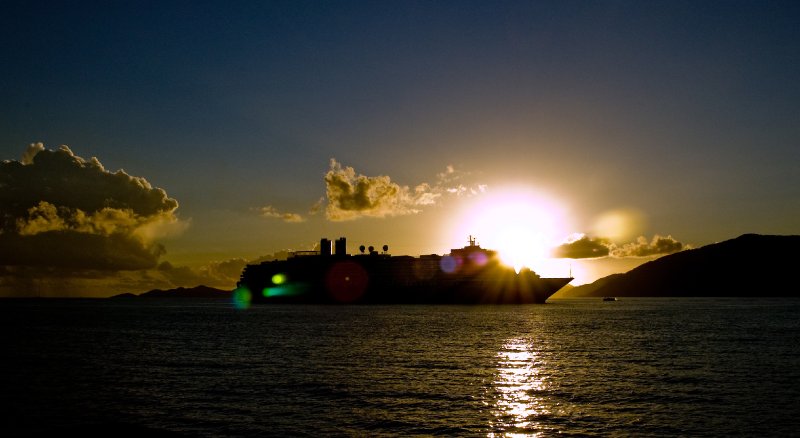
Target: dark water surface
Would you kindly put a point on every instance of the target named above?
(644, 367)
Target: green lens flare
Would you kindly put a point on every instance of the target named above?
(279, 279)
(242, 298)
(284, 290)
(281, 291)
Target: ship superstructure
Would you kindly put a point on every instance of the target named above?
(468, 275)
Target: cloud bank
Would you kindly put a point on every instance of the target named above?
(582, 246)
(60, 211)
(221, 274)
(658, 245)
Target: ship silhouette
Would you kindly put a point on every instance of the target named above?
(468, 275)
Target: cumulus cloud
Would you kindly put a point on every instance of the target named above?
(272, 212)
(351, 195)
(58, 210)
(30, 152)
(69, 227)
(583, 246)
(658, 245)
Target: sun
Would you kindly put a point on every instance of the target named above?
(520, 224)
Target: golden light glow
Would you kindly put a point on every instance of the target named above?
(520, 224)
(619, 224)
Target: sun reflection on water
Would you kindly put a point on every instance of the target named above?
(518, 380)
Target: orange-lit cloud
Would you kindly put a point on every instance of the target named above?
(58, 210)
(351, 195)
(582, 246)
(273, 213)
(30, 152)
(658, 245)
(69, 227)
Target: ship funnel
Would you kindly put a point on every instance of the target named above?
(341, 246)
(324, 247)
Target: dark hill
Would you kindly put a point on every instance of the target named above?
(750, 265)
(181, 292)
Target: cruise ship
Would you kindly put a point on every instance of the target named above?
(330, 275)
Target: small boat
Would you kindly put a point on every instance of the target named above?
(609, 299)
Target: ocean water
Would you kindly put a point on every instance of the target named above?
(635, 367)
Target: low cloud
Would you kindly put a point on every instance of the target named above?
(221, 274)
(352, 196)
(582, 246)
(60, 211)
(658, 245)
(273, 213)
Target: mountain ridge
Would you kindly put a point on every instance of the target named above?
(200, 291)
(748, 266)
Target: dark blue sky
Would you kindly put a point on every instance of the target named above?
(686, 112)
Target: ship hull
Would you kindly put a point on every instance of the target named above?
(392, 280)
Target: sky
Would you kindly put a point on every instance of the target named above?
(162, 144)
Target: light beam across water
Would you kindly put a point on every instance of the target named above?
(517, 380)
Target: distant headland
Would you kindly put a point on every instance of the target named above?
(180, 292)
(750, 265)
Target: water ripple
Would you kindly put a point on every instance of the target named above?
(642, 367)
